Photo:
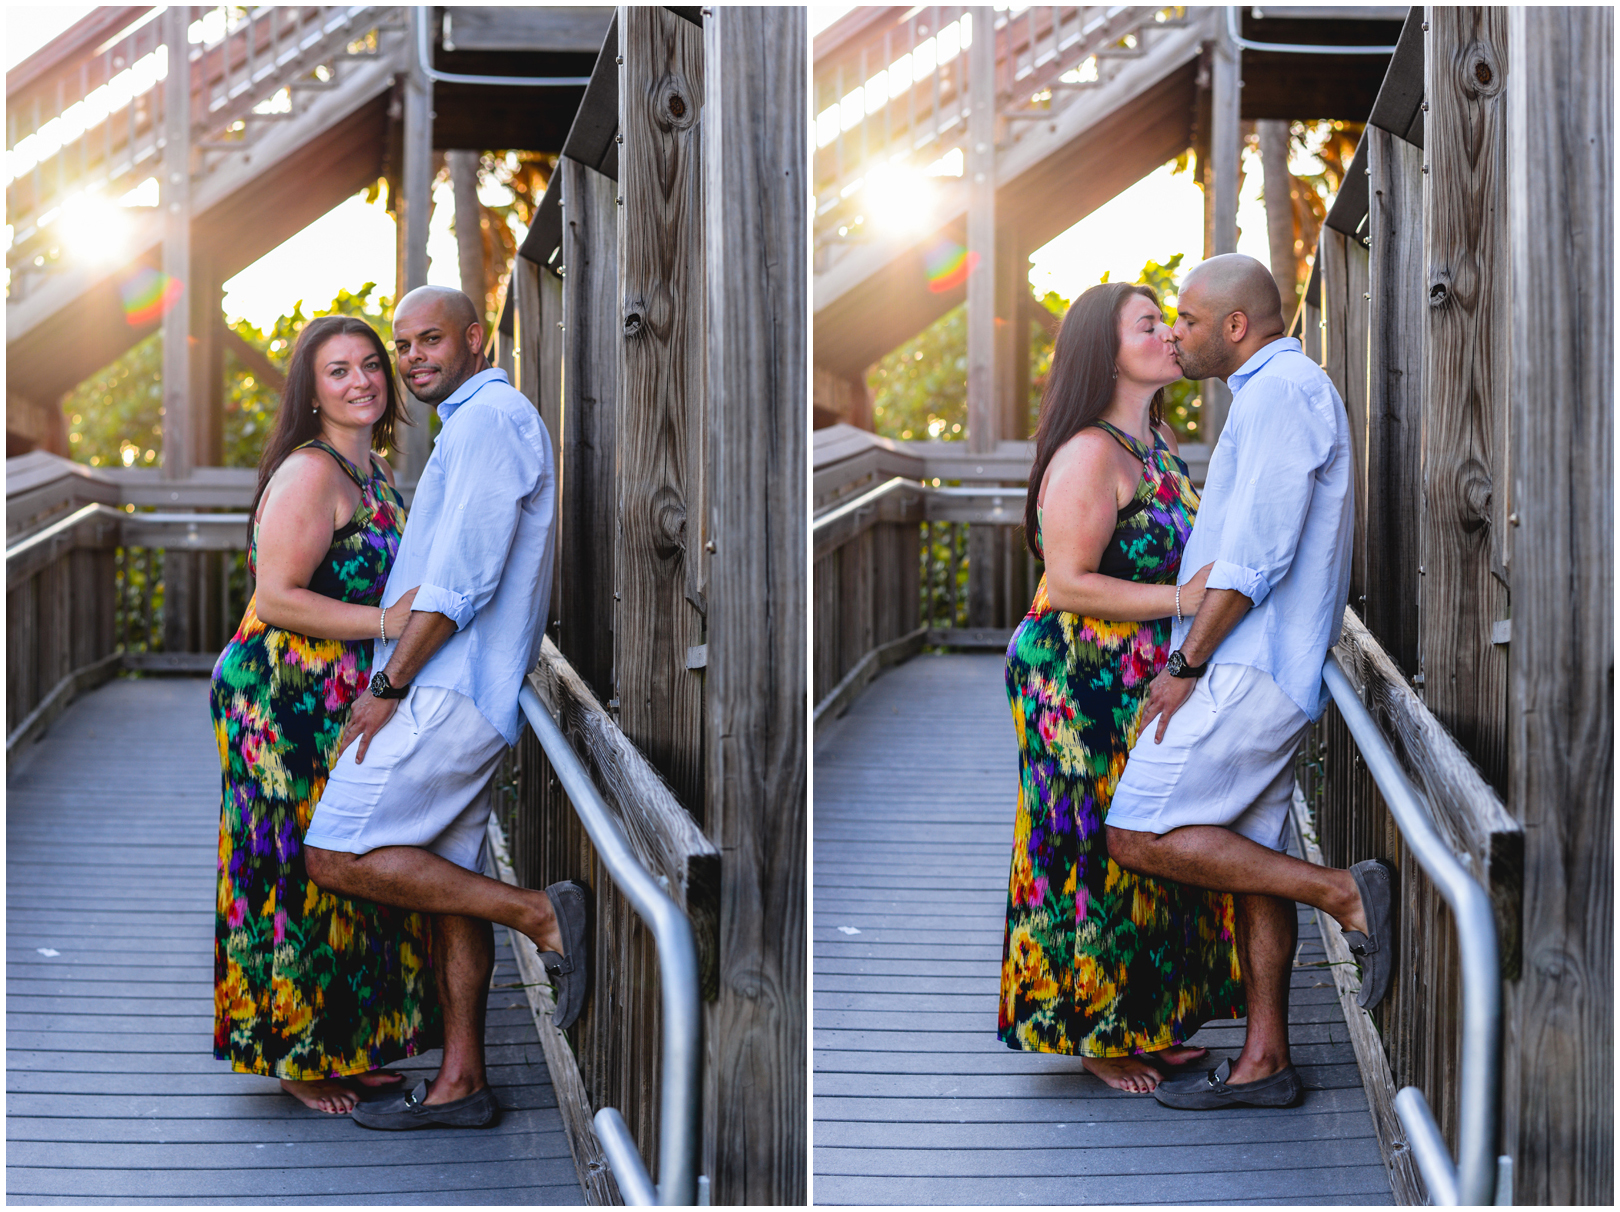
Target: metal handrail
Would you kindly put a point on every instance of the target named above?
(679, 1104)
(1472, 1180)
(424, 56)
(1294, 48)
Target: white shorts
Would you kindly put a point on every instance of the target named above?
(425, 782)
(1227, 759)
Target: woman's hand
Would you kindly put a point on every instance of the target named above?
(1192, 593)
(399, 614)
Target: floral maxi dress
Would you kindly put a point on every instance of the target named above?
(307, 985)
(1097, 961)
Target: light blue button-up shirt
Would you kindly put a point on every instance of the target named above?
(1277, 519)
(479, 543)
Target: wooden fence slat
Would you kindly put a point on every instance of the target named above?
(1394, 495)
(1558, 1092)
(591, 337)
(1342, 262)
(1465, 235)
(755, 221)
(659, 432)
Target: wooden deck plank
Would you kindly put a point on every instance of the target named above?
(113, 1093)
(915, 1100)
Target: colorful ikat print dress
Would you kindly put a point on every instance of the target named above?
(307, 985)
(1097, 961)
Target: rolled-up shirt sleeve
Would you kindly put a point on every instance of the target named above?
(489, 471)
(1285, 444)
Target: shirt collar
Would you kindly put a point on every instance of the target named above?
(1264, 354)
(469, 389)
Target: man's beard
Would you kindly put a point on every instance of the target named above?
(1192, 367)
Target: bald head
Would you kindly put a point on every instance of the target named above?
(1228, 309)
(438, 340)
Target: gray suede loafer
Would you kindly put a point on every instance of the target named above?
(1375, 880)
(478, 1110)
(1206, 1091)
(567, 971)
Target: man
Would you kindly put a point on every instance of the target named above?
(1205, 795)
(402, 820)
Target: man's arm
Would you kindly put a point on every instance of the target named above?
(424, 635)
(1220, 611)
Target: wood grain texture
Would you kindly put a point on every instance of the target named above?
(1557, 1096)
(113, 1092)
(547, 369)
(1465, 381)
(916, 1101)
(590, 384)
(1394, 496)
(660, 432)
(1342, 262)
(755, 227)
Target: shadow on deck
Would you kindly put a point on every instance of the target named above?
(916, 1101)
(113, 1092)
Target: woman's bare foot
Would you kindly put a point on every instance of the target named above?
(1179, 1054)
(377, 1078)
(327, 1095)
(1131, 1074)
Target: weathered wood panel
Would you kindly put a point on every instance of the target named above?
(589, 506)
(1342, 262)
(1395, 393)
(755, 224)
(1558, 1094)
(547, 369)
(660, 430)
(1465, 382)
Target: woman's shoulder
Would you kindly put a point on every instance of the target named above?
(387, 468)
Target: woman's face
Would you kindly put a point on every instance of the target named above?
(1147, 353)
(351, 382)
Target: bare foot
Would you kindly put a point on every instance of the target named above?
(377, 1078)
(1131, 1074)
(328, 1095)
(1179, 1054)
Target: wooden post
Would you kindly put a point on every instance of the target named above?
(416, 201)
(1279, 183)
(1395, 393)
(1225, 153)
(543, 367)
(983, 419)
(1343, 266)
(1557, 1096)
(463, 165)
(178, 429)
(756, 219)
(527, 319)
(588, 507)
(659, 434)
(1465, 236)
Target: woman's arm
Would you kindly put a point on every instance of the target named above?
(296, 524)
(1080, 510)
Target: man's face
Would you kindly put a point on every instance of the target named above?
(435, 357)
(1201, 344)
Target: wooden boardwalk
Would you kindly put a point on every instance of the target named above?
(113, 1095)
(915, 1100)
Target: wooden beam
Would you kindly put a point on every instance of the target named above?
(175, 193)
(251, 356)
(416, 202)
(659, 435)
(981, 233)
(756, 220)
(588, 506)
(1557, 1097)
(463, 165)
(543, 365)
(1465, 235)
(1343, 263)
(1395, 394)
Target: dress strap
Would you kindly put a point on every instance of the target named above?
(1137, 448)
(353, 471)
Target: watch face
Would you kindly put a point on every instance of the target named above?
(379, 684)
(1176, 663)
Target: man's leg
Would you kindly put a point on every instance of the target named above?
(463, 961)
(1214, 857)
(1267, 931)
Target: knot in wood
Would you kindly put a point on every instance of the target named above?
(1474, 493)
(634, 321)
(669, 522)
(1482, 75)
(1439, 294)
(673, 106)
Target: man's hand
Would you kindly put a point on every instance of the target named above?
(366, 720)
(1165, 697)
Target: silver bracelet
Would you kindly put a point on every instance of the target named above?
(1178, 603)
(382, 618)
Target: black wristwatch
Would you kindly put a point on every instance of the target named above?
(1177, 667)
(382, 688)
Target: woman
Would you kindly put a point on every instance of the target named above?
(316, 990)
(1098, 962)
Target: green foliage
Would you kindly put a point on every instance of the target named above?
(115, 417)
(920, 390)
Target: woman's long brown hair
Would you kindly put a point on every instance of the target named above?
(297, 422)
(1080, 385)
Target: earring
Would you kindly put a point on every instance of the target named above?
(316, 410)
